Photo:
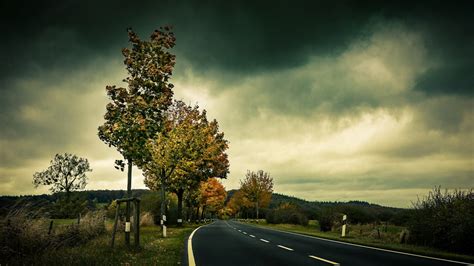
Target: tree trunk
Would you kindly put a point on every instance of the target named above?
(163, 205)
(180, 193)
(196, 218)
(202, 212)
(256, 205)
(127, 205)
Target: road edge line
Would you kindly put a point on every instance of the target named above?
(324, 260)
(191, 261)
(359, 245)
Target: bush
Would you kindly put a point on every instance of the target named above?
(327, 219)
(444, 220)
(288, 214)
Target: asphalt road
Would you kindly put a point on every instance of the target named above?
(234, 243)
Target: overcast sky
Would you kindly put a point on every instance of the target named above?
(338, 100)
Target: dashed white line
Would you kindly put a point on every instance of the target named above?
(327, 261)
(244, 233)
(283, 247)
(368, 247)
(263, 240)
(240, 231)
(251, 235)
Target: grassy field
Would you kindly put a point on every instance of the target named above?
(386, 237)
(154, 250)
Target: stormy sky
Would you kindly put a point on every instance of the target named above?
(338, 100)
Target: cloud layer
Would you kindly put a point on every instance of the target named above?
(362, 101)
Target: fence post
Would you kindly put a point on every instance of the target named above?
(50, 227)
(115, 224)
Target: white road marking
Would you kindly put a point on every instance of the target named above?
(321, 259)
(240, 231)
(244, 233)
(263, 240)
(252, 236)
(357, 245)
(283, 247)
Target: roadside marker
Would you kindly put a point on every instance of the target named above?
(321, 259)
(263, 240)
(283, 247)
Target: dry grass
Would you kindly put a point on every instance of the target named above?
(25, 233)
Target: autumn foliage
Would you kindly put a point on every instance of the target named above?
(257, 188)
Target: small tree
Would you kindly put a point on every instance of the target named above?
(212, 196)
(257, 188)
(66, 173)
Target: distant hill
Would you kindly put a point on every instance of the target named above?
(361, 210)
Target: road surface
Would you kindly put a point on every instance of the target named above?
(234, 243)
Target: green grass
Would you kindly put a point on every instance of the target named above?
(388, 239)
(154, 250)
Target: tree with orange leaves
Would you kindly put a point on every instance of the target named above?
(212, 196)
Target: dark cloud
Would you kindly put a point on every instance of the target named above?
(242, 36)
(298, 87)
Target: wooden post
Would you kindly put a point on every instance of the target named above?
(79, 218)
(137, 223)
(127, 207)
(115, 224)
(50, 227)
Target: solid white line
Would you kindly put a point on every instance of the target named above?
(321, 259)
(283, 247)
(357, 245)
(263, 240)
(252, 236)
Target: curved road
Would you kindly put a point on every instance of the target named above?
(234, 243)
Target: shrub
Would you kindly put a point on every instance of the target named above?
(444, 220)
(326, 219)
(288, 214)
(146, 219)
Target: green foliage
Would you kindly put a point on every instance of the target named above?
(287, 214)
(327, 218)
(135, 114)
(444, 220)
(69, 207)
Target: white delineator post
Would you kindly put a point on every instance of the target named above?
(163, 224)
(344, 222)
(127, 227)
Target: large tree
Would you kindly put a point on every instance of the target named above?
(135, 113)
(66, 173)
(257, 188)
(191, 149)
